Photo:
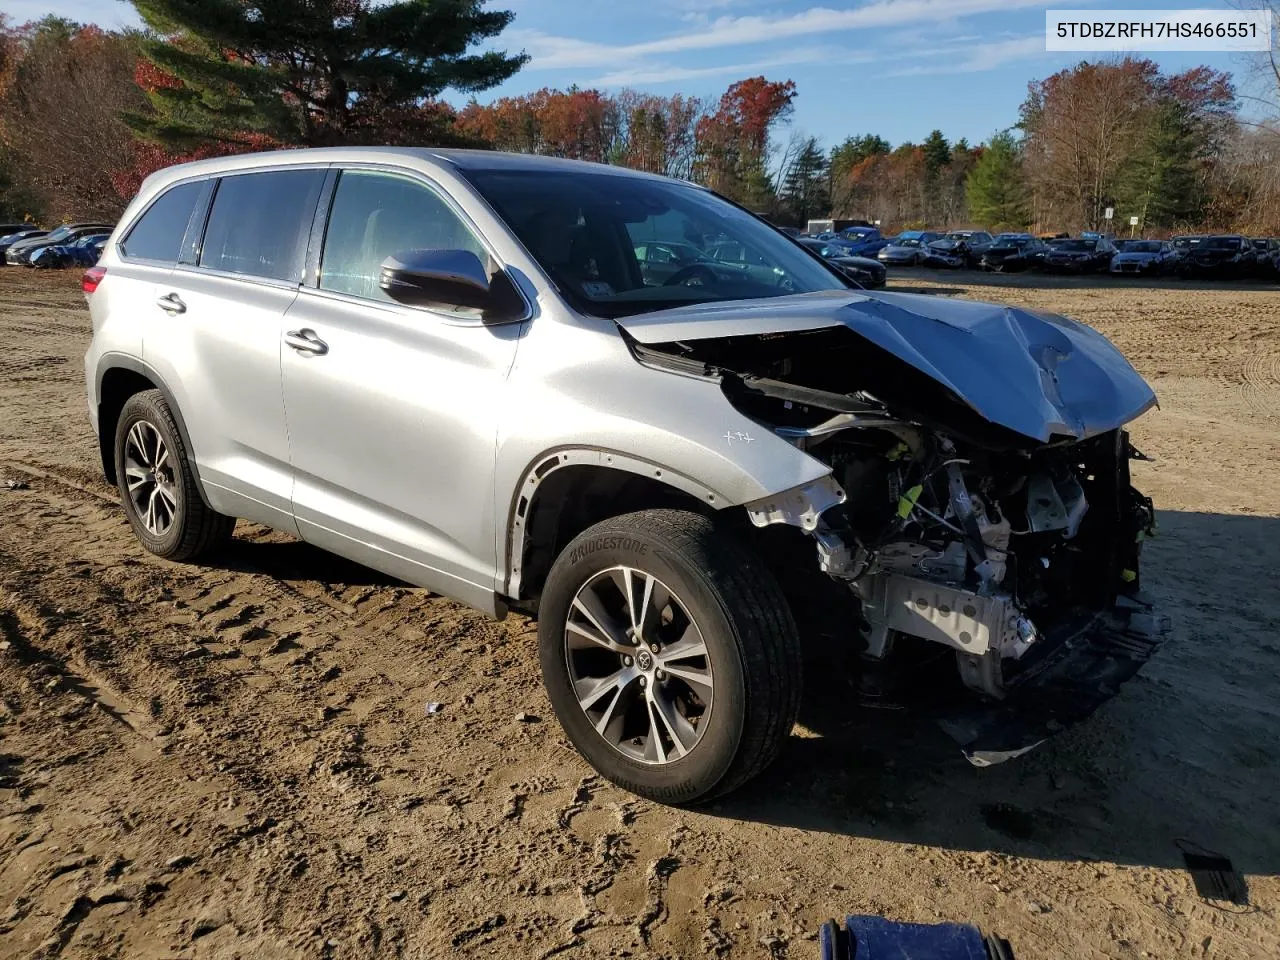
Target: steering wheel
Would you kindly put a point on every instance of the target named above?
(694, 275)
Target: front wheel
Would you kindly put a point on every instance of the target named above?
(669, 655)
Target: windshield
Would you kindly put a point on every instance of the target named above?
(1222, 243)
(1017, 244)
(60, 233)
(586, 231)
(1140, 246)
(1073, 246)
(909, 242)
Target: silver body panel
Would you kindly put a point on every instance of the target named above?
(407, 445)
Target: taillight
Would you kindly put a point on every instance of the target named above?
(92, 277)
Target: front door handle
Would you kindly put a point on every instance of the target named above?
(306, 341)
(171, 304)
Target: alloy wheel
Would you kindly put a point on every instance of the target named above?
(150, 478)
(639, 666)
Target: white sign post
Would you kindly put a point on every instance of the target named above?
(1109, 213)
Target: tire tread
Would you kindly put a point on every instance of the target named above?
(203, 528)
(762, 625)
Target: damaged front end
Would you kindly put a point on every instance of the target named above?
(1012, 556)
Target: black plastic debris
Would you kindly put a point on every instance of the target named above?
(875, 938)
(1213, 874)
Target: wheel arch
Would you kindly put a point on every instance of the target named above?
(119, 377)
(567, 490)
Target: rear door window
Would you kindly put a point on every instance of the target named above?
(376, 214)
(158, 233)
(260, 223)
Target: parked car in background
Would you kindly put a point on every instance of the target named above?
(21, 252)
(865, 271)
(9, 239)
(908, 248)
(1184, 244)
(1267, 251)
(1078, 255)
(862, 241)
(79, 253)
(1144, 257)
(1222, 257)
(959, 248)
(8, 228)
(1013, 253)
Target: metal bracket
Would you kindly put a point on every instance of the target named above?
(799, 507)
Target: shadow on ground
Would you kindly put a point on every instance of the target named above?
(295, 560)
(1187, 751)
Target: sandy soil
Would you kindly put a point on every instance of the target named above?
(236, 760)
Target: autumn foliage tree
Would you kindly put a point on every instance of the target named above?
(1120, 134)
(734, 141)
(63, 90)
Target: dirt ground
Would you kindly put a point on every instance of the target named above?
(237, 760)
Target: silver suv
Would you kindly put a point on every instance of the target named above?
(474, 371)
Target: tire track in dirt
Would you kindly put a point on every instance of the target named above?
(1261, 387)
(241, 659)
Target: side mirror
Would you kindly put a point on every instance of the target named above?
(450, 278)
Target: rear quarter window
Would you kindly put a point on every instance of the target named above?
(158, 233)
(260, 223)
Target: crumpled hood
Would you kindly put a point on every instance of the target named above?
(1035, 373)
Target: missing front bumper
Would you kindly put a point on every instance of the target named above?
(1068, 685)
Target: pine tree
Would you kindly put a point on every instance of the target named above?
(805, 187)
(995, 189)
(937, 152)
(1161, 185)
(313, 71)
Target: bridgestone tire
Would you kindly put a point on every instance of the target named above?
(196, 529)
(745, 623)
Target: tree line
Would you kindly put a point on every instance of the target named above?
(87, 114)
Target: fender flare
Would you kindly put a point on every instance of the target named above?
(122, 361)
(550, 461)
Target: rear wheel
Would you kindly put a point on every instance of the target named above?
(157, 486)
(669, 654)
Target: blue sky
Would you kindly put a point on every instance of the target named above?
(898, 68)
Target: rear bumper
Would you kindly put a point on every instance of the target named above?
(1072, 680)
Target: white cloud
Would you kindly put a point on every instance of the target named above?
(656, 73)
(555, 52)
(977, 58)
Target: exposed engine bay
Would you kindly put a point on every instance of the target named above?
(946, 527)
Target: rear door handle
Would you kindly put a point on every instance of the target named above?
(171, 304)
(306, 341)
